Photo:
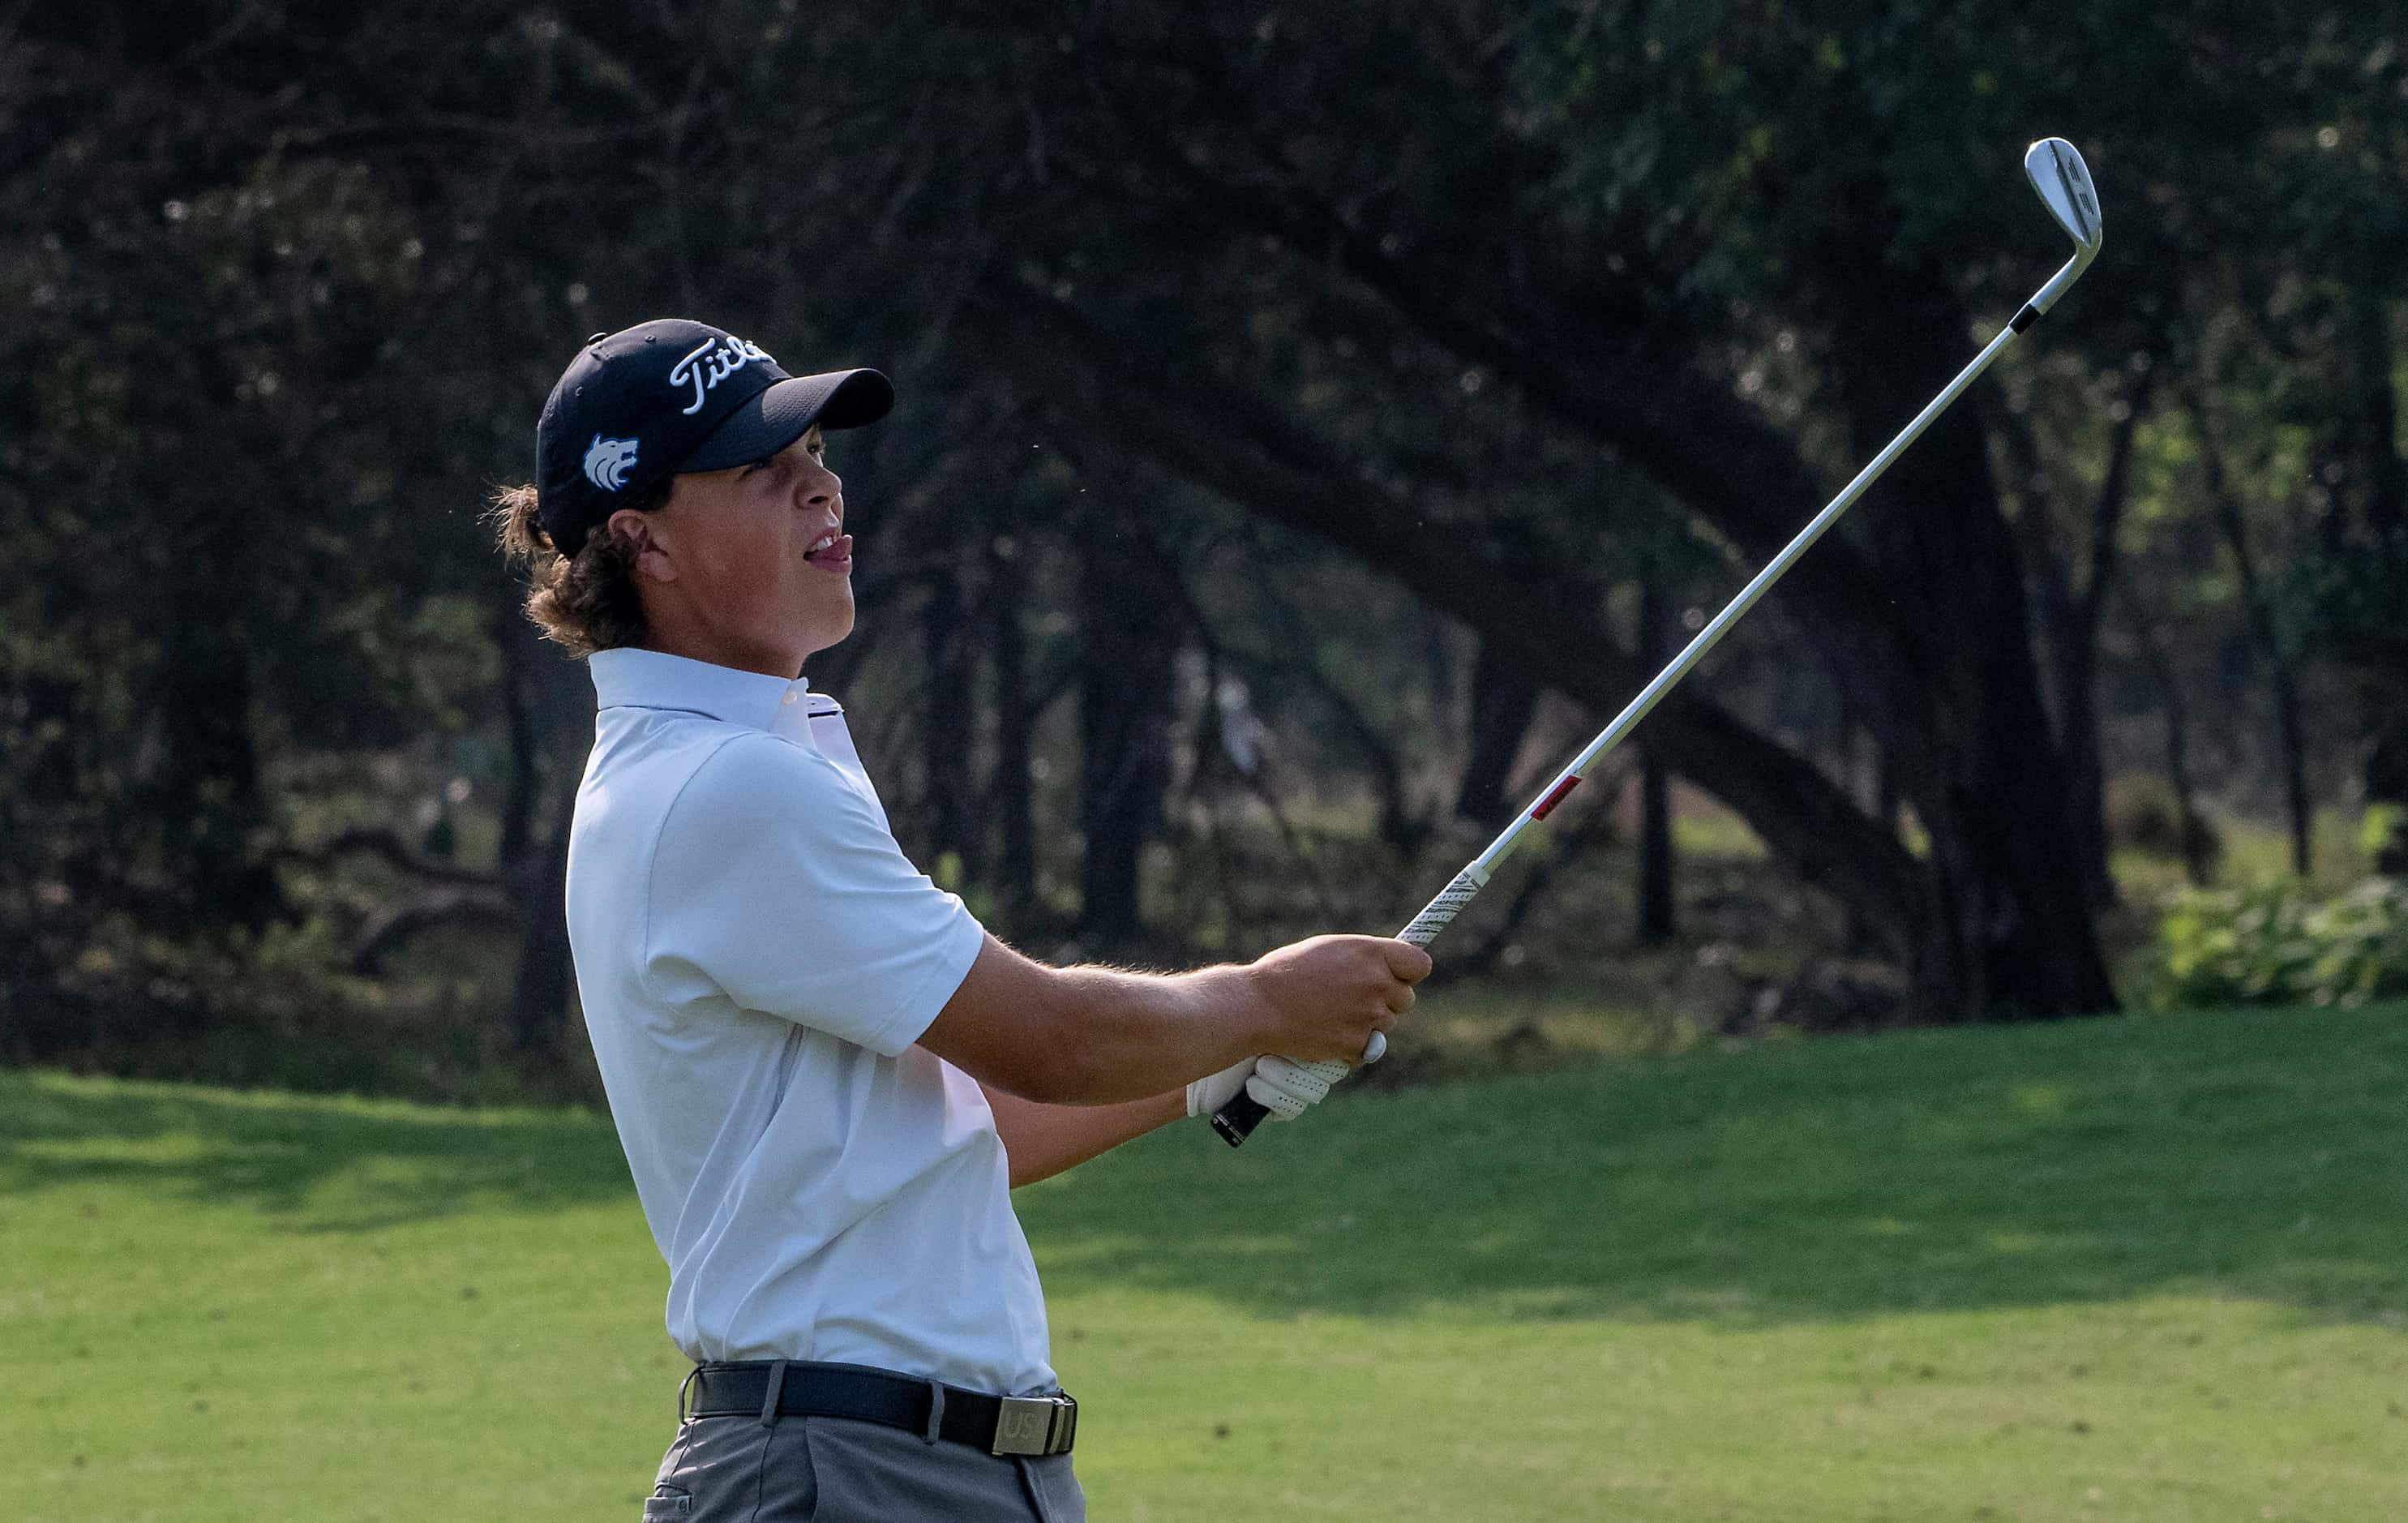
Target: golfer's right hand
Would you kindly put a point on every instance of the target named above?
(1328, 996)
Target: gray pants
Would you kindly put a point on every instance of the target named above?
(835, 1469)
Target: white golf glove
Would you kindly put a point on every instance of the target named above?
(1277, 1086)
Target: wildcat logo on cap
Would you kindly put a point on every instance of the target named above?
(719, 359)
(608, 462)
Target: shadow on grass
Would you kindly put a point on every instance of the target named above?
(2257, 1155)
(323, 1165)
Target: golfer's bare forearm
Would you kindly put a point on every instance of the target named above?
(1042, 1141)
(1095, 1036)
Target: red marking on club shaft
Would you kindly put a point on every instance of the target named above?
(1555, 797)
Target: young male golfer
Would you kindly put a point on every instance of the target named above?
(827, 1076)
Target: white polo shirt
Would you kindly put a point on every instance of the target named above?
(757, 957)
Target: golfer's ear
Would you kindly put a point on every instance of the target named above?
(651, 559)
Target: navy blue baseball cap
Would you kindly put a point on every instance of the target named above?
(673, 396)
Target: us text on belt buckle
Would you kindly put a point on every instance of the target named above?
(1036, 1425)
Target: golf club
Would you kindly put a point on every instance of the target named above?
(2063, 180)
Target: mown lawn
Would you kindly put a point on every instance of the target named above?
(2148, 1269)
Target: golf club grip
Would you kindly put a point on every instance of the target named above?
(1237, 1119)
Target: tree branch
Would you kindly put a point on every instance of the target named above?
(1685, 428)
(379, 840)
(475, 908)
(1217, 438)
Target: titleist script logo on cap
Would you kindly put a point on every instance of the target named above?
(713, 363)
(608, 462)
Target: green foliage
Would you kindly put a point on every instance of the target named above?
(2277, 944)
(2381, 824)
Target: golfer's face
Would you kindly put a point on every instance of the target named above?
(765, 543)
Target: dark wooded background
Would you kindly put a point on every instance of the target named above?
(1315, 418)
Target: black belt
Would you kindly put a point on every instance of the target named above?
(1030, 1425)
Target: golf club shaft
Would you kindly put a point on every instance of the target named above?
(1237, 1119)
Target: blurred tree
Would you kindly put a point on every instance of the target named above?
(1504, 701)
(1657, 910)
(1128, 634)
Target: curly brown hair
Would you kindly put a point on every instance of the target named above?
(585, 602)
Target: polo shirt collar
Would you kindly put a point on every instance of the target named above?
(641, 679)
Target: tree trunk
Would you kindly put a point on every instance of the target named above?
(2385, 512)
(559, 697)
(2199, 850)
(546, 973)
(2070, 616)
(1401, 828)
(2078, 737)
(522, 784)
(1656, 904)
(949, 644)
(1128, 636)
(1009, 803)
(2010, 933)
(2288, 733)
(205, 790)
(2257, 604)
(2384, 500)
(1503, 700)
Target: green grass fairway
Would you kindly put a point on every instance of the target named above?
(2152, 1269)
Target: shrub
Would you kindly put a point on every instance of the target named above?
(2278, 945)
(2143, 815)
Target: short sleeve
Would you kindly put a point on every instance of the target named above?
(777, 882)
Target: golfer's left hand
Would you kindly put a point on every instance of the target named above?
(1279, 1086)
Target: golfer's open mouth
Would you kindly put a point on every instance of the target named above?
(831, 552)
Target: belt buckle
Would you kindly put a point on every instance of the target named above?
(1036, 1425)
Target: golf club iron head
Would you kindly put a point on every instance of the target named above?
(2063, 180)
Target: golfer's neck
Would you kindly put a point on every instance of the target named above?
(675, 629)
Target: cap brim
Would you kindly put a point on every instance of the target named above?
(782, 413)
